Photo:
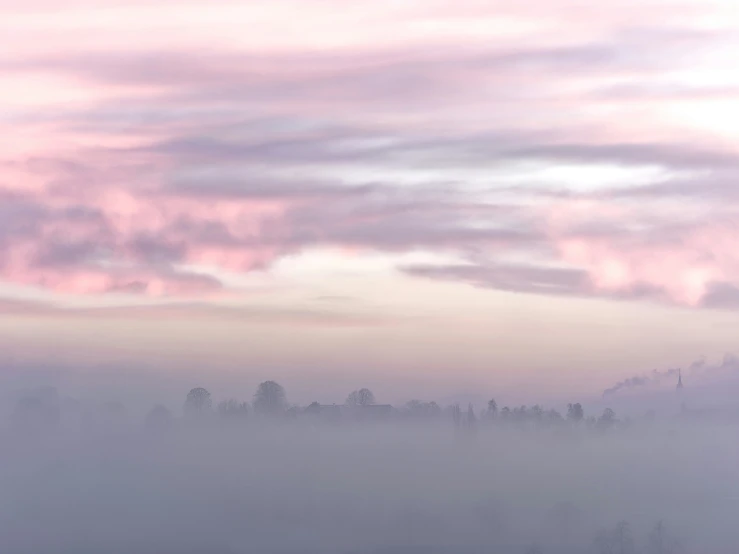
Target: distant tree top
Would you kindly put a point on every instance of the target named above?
(361, 397)
(198, 402)
(270, 399)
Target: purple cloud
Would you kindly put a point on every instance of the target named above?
(169, 166)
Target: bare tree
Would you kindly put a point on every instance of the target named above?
(361, 397)
(233, 409)
(433, 409)
(38, 409)
(111, 413)
(660, 541)
(471, 418)
(608, 419)
(456, 415)
(114, 408)
(520, 413)
(159, 417)
(270, 399)
(536, 413)
(617, 541)
(418, 409)
(624, 541)
(575, 412)
(603, 543)
(492, 409)
(553, 417)
(198, 402)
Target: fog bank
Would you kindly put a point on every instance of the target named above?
(391, 487)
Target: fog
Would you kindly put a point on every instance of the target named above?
(233, 477)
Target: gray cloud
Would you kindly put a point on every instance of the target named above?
(722, 295)
(209, 137)
(404, 71)
(512, 277)
(155, 250)
(318, 316)
(217, 186)
(408, 149)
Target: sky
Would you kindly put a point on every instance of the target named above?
(413, 196)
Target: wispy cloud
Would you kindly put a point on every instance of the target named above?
(319, 316)
(151, 169)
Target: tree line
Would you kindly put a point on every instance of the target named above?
(41, 407)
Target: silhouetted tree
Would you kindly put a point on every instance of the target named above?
(416, 408)
(607, 419)
(505, 413)
(115, 409)
(471, 418)
(624, 541)
(413, 406)
(660, 542)
(270, 399)
(233, 409)
(38, 409)
(553, 417)
(657, 539)
(111, 413)
(361, 397)
(520, 413)
(159, 417)
(198, 402)
(575, 412)
(313, 408)
(617, 541)
(492, 409)
(603, 543)
(456, 415)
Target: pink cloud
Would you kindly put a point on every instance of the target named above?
(96, 281)
(133, 152)
(676, 271)
(683, 253)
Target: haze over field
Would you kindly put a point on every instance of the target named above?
(237, 481)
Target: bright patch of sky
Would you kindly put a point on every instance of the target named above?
(526, 175)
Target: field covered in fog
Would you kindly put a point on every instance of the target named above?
(216, 486)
